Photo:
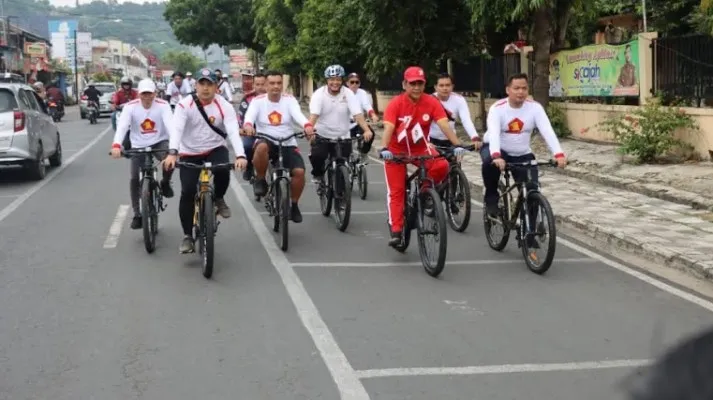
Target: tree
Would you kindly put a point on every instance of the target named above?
(276, 30)
(204, 22)
(182, 61)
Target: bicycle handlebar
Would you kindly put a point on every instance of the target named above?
(279, 140)
(533, 163)
(442, 153)
(207, 165)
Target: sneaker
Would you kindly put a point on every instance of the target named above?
(136, 222)
(166, 189)
(395, 239)
(296, 215)
(222, 208)
(248, 174)
(492, 210)
(260, 187)
(186, 245)
(317, 179)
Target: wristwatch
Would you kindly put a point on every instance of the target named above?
(173, 152)
(239, 157)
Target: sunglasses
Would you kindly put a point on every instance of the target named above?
(353, 82)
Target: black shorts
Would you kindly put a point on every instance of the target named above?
(291, 157)
(441, 142)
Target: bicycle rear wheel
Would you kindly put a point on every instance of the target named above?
(207, 230)
(363, 181)
(147, 211)
(457, 199)
(342, 197)
(537, 201)
(491, 227)
(433, 258)
(284, 209)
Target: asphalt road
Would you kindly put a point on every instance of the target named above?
(85, 313)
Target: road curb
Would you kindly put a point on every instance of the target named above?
(605, 235)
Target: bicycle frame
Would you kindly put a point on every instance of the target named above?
(523, 191)
(338, 158)
(277, 172)
(204, 186)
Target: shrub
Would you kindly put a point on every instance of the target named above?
(558, 119)
(649, 131)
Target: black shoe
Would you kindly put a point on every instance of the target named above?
(296, 215)
(166, 189)
(260, 187)
(248, 174)
(395, 239)
(136, 222)
(492, 210)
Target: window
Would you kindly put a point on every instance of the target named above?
(7, 101)
(24, 101)
(31, 99)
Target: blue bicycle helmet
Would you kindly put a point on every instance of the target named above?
(334, 71)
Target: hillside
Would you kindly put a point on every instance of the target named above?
(139, 21)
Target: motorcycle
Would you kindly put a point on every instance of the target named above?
(92, 113)
(54, 111)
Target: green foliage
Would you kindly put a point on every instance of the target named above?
(203, 22)
(182, 61)
(277, 32)
(649, 131)
(558, 119)
(102, 77)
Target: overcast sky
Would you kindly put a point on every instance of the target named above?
(60, 3)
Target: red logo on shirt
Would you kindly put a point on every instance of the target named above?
(515, 126)
(148, 126)
(275, 118)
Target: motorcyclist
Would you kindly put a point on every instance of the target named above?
(121, 97)
(39, 88)
(56, 95)
(93, 95)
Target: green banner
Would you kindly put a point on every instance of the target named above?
(597, 70)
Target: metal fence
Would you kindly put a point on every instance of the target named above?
(683, 68)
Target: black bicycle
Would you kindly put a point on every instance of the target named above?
(277, 200)
(335, 189)
(522, 216)
(151, 201)
(205, 222)
(455, 191)
(358, 169)
(421, 202)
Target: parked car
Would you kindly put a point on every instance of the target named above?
(28, 136)
(104, 88)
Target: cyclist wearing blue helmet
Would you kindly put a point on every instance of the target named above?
(332, 107)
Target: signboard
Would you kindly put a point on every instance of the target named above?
(61, 32)
(36, 49)
(84, 48)
(598, 70)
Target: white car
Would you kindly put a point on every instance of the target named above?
(28, 136)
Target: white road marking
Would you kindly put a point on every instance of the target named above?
(343, 374)
(319, 213)
(10, 208)
(418, 263)
(708, 305)
(112, 239)
(501, 369)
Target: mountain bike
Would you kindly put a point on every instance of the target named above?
(205, 223)
(521, 215)
(422, 202)
(151, 200)
(455, 191)
(277, 199)
(358, 169)
(335, 189)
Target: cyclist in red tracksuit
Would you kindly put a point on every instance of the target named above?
(407, 122)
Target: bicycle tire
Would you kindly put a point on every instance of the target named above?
(459, 176)
(363, 182)
(539, 200)
(207, 230)
(284, 212)
(325, 193)
(147, 206)
(343, 202)
(498, 245)
(442, 227)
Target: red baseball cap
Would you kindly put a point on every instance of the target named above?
(414, 74)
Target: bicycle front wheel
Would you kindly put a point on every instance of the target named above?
(432, 232)
(147, 205)
(342, 198)
(543, 233)
(284, 209)
(207, 229)
(458, 200)
(363, 181)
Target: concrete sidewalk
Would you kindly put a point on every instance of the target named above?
(662, 231)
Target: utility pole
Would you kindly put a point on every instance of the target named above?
(76, 69)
